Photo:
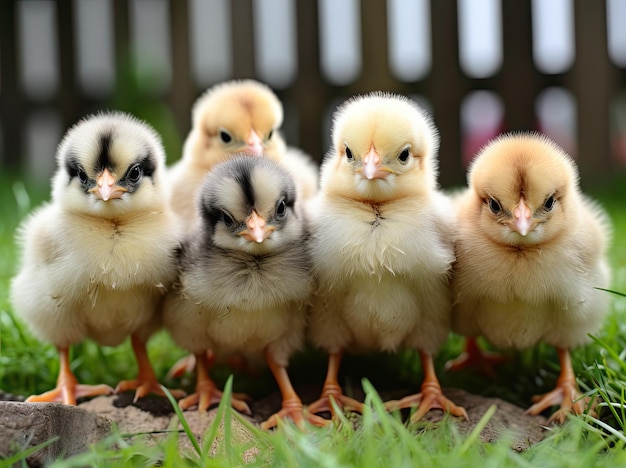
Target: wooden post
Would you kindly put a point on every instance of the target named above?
(446, 87)
(593, 85)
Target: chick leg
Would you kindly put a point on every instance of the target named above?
(430, 397)
(68, 389)
(566, 393)
(206, 391)
(291, 405)
(333, 389)
(146, 381)
(473, 356)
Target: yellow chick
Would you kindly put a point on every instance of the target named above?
(245, 279)
(531, 250)
(382, 244)
(234, 117)
(97, 260)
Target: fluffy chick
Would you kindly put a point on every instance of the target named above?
(97, 259)
(234, 117)
(531, 251)
(245, 278)
(382, 244)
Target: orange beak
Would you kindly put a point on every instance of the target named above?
(371, 166)
(523, 222)
(254, 144)
(257, 230)
(106, 189)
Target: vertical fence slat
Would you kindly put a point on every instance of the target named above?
(517, 83)
(446, 87)
(242, 37)
(11, 98)
(308, 92)
(375, 74)
(182, 92)
(121, 25)
(593, 85)
(68, 96)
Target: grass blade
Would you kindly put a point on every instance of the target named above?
(183, 421)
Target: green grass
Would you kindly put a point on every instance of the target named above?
(28, 366)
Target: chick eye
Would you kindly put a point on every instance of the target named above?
(404, 155)
(270, 134)
(82, 175)
(225, 136)
(281, 209)
(349, 155)
(227, 219)
(494, 206)
(135, 173)
(549, 203)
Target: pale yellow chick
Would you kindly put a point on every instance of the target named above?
(531, 251)
(98, 259)
(382, 244)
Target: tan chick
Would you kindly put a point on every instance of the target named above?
(245, 280)
(382, 245)
(234, 117)
(97, 259)
(531, 251)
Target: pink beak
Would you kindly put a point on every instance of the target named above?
(105, 187)
(257, 230)
(254, 144)
(523, 221)
(371, 165)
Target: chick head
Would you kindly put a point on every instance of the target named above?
(235, 117)
(249, 204)
(384, 148)
(526, 187)
(109, 165)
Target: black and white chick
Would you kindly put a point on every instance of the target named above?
(99, 257)
(244, 283)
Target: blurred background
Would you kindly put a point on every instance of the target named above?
(479, 66)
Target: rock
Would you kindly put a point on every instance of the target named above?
(508, 419)
(25, 425)
(152, 418)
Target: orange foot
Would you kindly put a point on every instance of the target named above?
(68, 393)
(429, 398)
(207, 394)
(293, 410)
(143, 387)
(475, 357)
(566, 394)
(146, 381)
(334, 391)
(68, 389)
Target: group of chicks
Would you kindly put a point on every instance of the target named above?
(238, 249)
